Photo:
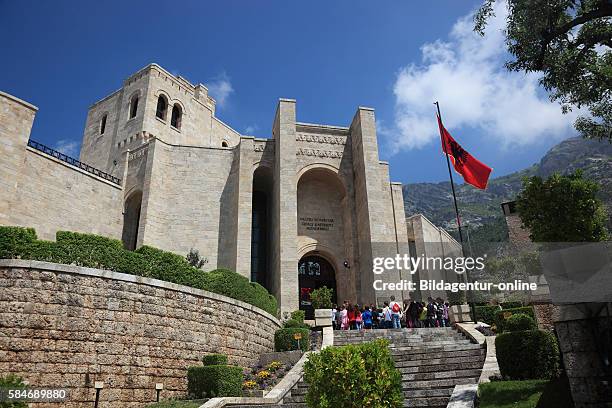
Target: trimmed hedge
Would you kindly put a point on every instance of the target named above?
(214, 359)
(526, 355)
(353, 376)
(486, 314)
(214, 381)
(298, 315)
(94, 251)
(291, 323)
(520, 322)
(284, 340)
(511, 305)
(502, 315)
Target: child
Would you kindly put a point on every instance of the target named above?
(367, 318)
(358, 319)
(344, 319)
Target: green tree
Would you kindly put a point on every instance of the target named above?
(562, 209)
(570, 43)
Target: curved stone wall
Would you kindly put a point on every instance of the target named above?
(65, 326)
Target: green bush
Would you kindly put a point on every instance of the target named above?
(291, 323)
(284, 339)
(13, 382)
(214, 381)
(322, 298)
(456, 298)
(511, 305)
(486, 314)
(13, 241)
(502, 315)
(298, 315)
(519, 322)
(214, 359)
(525, 355)
(94, 251)
(354, 376)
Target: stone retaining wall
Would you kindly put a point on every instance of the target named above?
(66, 326)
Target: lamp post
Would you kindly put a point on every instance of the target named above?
(158, 389)
(98, 385)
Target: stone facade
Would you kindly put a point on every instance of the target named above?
(67, 327)
(184, 180)
(428, 240)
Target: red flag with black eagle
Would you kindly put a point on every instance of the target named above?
(472, 170)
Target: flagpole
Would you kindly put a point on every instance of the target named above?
(450, 173)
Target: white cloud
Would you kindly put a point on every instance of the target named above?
(220, 88)
(249, 130)
(466, 74)
(68, 147)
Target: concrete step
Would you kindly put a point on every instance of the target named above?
(440, 392)
(439, 383)
(408, 355)
(426, 402)
(441, 375)
(437, 367)
(434, 361)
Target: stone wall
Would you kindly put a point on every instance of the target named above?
(67, 326)
(581, 330)
(45, 193)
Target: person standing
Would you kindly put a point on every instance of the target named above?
(413, 314)
(431, 313)
(367, 318)
(358, 318)
(387, 316)
(396, 310)
(344, 318)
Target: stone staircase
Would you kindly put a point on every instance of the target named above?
(432, 361)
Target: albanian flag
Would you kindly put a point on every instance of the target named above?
(471, 169)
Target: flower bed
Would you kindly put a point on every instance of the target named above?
(258, 380)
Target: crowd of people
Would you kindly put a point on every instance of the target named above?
(393, 315)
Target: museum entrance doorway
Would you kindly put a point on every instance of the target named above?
(314, 272)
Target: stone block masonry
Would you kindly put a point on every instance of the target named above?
(66, 327)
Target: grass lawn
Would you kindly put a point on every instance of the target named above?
(177, 404)
(511, 394)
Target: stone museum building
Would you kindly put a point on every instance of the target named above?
(304, 208)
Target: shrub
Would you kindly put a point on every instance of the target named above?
(214, 381)
(94, 251)
(486, 313)
(298, 315)
(502, 315)
(519, 322)
(194, 259)
(456, 298)
(291, 323)
(13, 241)
(353, 376)
(511, 305)
(236, 286)
(322, 298)
(214, 359)
(284, 339)
(524, 355)
(13, 382)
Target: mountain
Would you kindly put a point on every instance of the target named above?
(482, 207)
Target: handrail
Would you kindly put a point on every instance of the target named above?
(72, 161)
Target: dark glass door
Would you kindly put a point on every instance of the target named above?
(314, 272)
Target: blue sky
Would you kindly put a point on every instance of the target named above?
(332, 56)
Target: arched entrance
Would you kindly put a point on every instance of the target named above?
(314, 272)
(131, 220)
